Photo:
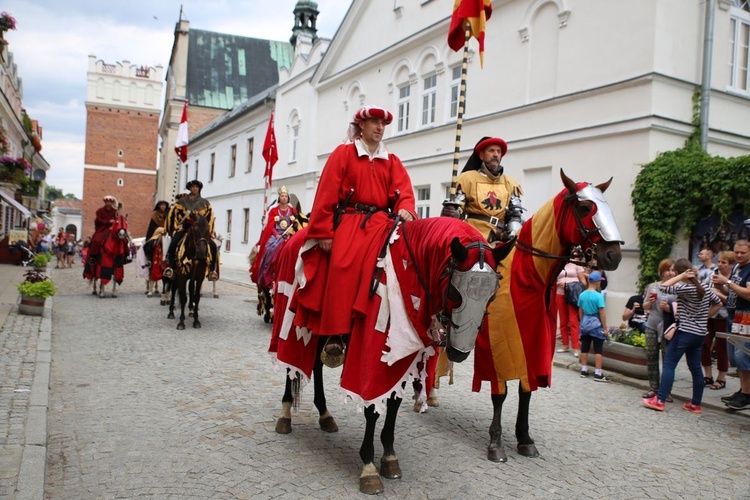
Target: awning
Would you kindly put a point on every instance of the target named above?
(12, 202)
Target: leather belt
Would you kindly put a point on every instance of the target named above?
(360, 208)
(492, 220)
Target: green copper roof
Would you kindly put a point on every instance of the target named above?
(226, 70)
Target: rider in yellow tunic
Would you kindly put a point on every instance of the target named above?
(179, 220)
(489, 199)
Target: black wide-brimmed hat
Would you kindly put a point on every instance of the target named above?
(194, 182)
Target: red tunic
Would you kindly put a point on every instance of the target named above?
(102, 225)
(329, 301)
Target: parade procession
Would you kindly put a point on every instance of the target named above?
(371, 226)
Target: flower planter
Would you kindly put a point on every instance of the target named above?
(31, 306)
(623, 358)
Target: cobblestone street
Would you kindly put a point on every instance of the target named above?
(138, 409)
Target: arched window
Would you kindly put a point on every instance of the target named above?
(403, 99)
(294, 124)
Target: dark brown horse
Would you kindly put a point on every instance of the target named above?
(520, 339)
(190, 269)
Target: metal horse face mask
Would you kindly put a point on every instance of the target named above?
(477, 286)
(603, 218)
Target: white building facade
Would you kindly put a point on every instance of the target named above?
(594, 88)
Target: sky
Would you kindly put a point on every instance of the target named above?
(54, 38)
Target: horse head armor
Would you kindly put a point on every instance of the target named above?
(474, 288)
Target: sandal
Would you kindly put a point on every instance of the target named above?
(718, 385)
(708, 380)
(648, 395)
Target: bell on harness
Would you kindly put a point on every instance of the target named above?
(332, 355)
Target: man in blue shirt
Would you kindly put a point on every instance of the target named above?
(593, 327)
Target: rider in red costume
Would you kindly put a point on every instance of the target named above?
(281, 224)
(105, 216)
(360, 185)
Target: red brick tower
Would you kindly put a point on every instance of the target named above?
(122, 132)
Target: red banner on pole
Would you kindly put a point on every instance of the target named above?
(476, 13)
(270, 151)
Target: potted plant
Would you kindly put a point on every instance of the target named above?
(34, 290)
(40, 262)
(626, 352)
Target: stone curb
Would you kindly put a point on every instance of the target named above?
(33, 462)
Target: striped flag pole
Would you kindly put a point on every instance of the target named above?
(265, 204)
(175, 182)
(460, 117)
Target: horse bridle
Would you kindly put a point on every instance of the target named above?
(197, 241)
(441, 314)
(585, 232)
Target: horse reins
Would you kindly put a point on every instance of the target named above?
(585, 232)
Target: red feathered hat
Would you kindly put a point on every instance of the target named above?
(374, 112)
(481, 145)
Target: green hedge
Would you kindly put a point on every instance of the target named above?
(678, 189)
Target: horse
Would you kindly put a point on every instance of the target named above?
(264, 257)
(436, 293)
(519, 340)
(190, 269)
(265, 294)
(108, 265)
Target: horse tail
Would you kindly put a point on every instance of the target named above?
(296, 391)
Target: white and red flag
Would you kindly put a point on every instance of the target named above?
(181, 145)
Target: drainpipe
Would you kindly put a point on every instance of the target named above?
(708, 46)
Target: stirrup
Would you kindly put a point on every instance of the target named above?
(168, 273)
(213, 276)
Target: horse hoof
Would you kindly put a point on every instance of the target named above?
(283, 425)
(433, 402)
(196, 324)
(216, 296)
(328, 424)
(170, 316)
(528, 450)
(496, 453)
(181, 326)
(419, 407)
(389, 468)
(93, 292)
(114, 296)
(371, 485)
(149, 295)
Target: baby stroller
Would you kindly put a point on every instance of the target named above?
(26, 255)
